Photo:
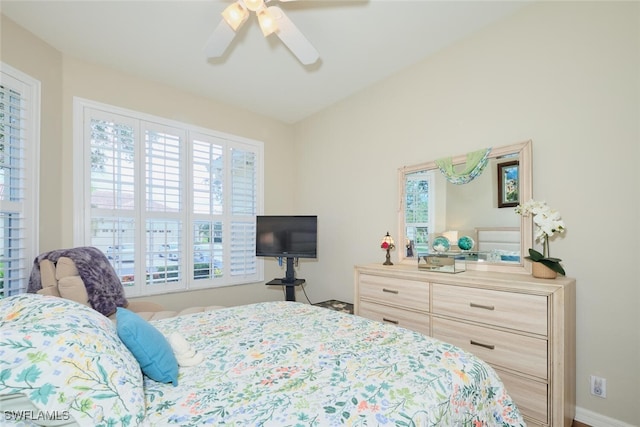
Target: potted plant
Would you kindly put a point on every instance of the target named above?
(547, 222)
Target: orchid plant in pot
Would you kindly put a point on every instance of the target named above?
(547, 222)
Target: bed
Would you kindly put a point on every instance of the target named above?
(265, 364)
(501, 242)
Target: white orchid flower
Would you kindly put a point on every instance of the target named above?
(547, 221)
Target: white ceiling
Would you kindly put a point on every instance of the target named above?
(360, 42)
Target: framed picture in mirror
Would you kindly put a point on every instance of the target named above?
(508, 184)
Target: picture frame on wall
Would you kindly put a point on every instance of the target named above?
(508, 184)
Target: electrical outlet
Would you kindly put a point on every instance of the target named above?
(598, 386)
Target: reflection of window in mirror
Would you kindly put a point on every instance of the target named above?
(418, 213)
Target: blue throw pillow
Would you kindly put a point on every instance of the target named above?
(148, 345)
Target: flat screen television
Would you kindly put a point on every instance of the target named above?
(287, 236)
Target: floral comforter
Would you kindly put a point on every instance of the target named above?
(292, 364)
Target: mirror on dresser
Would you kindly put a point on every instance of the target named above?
(482, 209)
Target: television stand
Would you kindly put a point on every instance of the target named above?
(289, 281)
(290, 287)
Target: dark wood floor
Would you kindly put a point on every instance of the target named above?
(333, 304)
(579, 424)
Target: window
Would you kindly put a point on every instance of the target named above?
(418, 211)
(172, 206)
(19, 144)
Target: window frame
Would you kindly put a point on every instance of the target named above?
(404, 176)
(29, 205)
(82, 196)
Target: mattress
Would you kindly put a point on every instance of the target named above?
(265, 364)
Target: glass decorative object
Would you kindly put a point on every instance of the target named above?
(466, 243)
(441, 244)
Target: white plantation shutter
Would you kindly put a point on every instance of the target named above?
(112, 141)
(172, 207)
(208, 175)
(243, 182)
(19, 131)
(244, 201)
(208, 219)
(243, 248)
(164, 200)
(418, 209)
(164, 172)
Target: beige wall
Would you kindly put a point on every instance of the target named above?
(64, 78)
(23, 51)
(564, 74)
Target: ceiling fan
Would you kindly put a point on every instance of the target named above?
(271, 19)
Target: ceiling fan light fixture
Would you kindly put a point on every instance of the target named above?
(268, 25)
(235, 15)
(253, 5)
(272, 19)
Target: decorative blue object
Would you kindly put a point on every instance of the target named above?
(147, 344)
(441, 244)
(466, 243)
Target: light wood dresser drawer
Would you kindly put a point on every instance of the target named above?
(410, 294)
(522, 326)
(511, 310)
(418, 322)
(504, 349)
(529, 395)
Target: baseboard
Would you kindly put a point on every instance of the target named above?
(594, 419)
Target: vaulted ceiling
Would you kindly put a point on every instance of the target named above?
(360, 42)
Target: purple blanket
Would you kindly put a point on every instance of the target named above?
(100, 279)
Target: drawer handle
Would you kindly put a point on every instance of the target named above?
(489, 346)
(486, 307)
(395, 322)
(391, 291)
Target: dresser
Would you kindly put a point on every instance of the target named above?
(522, 326)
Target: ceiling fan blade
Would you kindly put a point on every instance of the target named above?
(219, 40)
(293, 38)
